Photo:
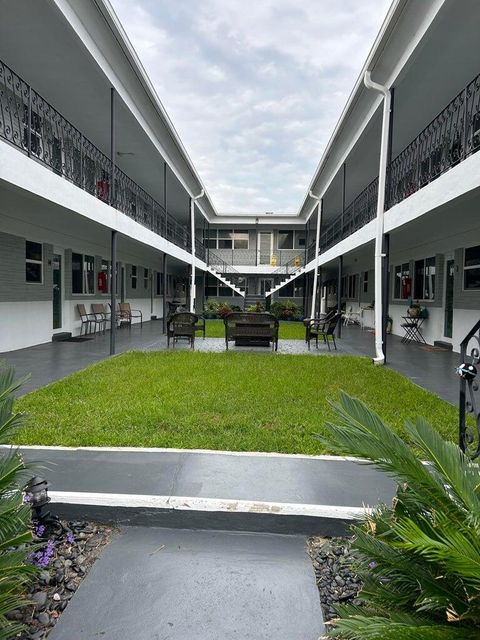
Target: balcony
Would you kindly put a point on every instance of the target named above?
(451, 137)
(32, 125)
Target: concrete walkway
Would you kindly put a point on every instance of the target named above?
(433, 370)
(159, 584)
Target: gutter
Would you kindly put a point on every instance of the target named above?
(379, 358)
(193, 288)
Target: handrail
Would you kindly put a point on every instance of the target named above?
(32, 125)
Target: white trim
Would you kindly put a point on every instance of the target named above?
(260, 454)
(180, 503)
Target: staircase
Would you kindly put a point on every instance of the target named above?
(226, 274)
(251, 299)
(289, 277)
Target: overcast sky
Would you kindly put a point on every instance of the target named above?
(253, 87)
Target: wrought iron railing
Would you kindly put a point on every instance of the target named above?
(31, 124)
(452, 136)
(226, 270)
(469, 399)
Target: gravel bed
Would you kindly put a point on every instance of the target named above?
(336, 582)
(64, 562)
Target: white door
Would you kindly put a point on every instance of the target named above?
(265, 242)
(266, 285)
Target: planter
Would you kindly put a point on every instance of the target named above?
(414, 312)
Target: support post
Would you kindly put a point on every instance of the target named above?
(112, 148)
(113, 292)
(165, 264)
(344, 181)
(317, 257)
(165, 201)
(386, 290)
(339, 294)
(319, 293)
(192, 266)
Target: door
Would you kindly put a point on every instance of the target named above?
(264, 247)
(449, 281)
(57, 290)
(266, 285)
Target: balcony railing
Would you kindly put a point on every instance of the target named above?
(31, 124)
(450, 138)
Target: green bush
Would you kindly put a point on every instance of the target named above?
(419, 559)
(15, 516)
(258, 307)
(224, 309)
(288, 310)
(210, 309)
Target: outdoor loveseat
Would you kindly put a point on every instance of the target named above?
(259, 329)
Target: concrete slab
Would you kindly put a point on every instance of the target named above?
(203, 474)
(159, 584)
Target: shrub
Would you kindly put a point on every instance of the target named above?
(15, 516)
(224, 309)
(288, 310)
(419, 560)
(258, 307)
(210, 309)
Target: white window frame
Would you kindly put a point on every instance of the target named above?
(400, 266)
(31, 261)
(476, 266)
(85, 291)
(413, 296)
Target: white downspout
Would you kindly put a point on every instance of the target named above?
(382, 179)
(193, 289)
(317, 257)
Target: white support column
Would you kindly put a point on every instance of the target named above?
(382, 179)
(193, 287)
(317, 257)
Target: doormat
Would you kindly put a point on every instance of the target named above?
(429, 347)
(78, 339)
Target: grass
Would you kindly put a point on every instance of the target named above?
(232, 401)
(287, 330)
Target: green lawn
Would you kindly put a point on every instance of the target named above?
(287, 330)
(235, 401)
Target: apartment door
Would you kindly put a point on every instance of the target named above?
(57, 291)
(449, 282)
(265, 244)
(266, 285)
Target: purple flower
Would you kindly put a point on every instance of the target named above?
(372, 565)
(39, 530)
(27, 498)
(70, 538)
(42, 558)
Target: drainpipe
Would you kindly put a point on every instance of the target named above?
(317, 257)
(382, 178)
(192, 233)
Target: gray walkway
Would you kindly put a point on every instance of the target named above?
(159, 584)
(227, 476)
(433, 370)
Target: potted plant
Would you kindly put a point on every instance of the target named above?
(414, 309)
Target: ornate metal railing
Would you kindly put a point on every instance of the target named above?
(31, 124)
(226, 270)
(452, 136)
(469, 401)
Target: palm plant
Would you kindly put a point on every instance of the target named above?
(15, 516)
(419, 559)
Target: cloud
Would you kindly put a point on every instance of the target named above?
(254, 88)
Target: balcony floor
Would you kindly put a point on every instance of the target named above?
(433, 370)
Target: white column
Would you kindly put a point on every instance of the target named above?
(193, 288)
(317, 256)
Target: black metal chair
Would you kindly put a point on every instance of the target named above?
(311, 322)
(182, 325)
(324, 329)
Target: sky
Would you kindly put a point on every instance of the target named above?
(253, 87)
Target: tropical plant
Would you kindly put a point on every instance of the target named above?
(15, 516)
(257, 307)
(210, 308)
(288, 310)
(419, 559)
(224, 309)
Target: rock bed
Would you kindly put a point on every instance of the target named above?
(336, 582)
(72, 554)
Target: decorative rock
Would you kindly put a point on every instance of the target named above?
(40, 599)
(56, 597)
(44, 619)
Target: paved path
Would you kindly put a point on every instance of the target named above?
(159, 584)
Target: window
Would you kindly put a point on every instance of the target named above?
(365, 282)
(210, 238)
(402, 285)
(225, 239)
(214, 289)
(424, 280)
(159, 284)
(291, 290)
(352, 287)
(285, 240)
(83, 274)
(33, 262)
(134, 276)
(299, 240)
(145, 278)
(240, 239)
(35, 131)
(471, 268)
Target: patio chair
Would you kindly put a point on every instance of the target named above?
(310, 322)
(100, 315)
(88, 320)
(351, 317)
(127, 312)
(182, 325)
(324, 329)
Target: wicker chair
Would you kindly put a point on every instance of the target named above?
(324, 328)
(251, 328)
(310, 322)
(182, 325)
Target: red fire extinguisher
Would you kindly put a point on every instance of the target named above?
(102, 281)
(406, 287)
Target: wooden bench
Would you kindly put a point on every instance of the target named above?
(251, 329)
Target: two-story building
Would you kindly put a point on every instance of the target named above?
(100, 202)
